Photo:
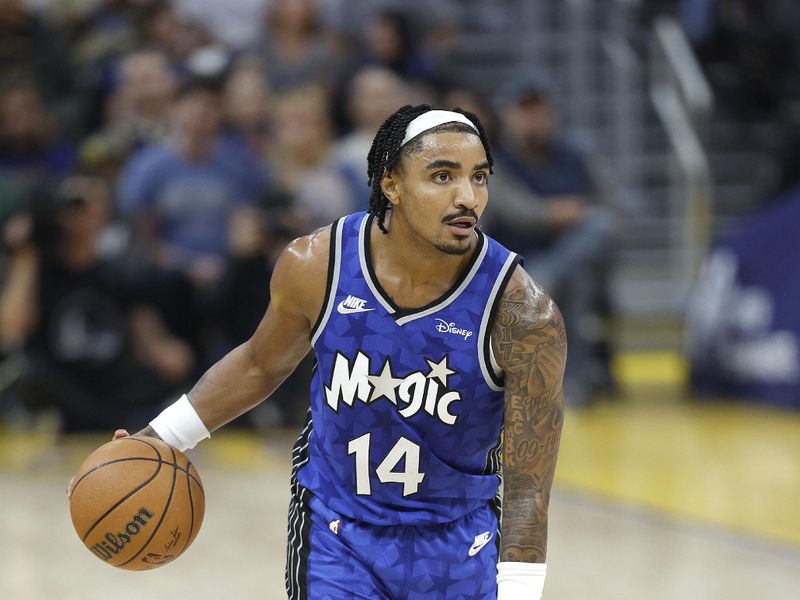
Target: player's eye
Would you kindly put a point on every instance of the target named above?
(441, 177)
(481, 177)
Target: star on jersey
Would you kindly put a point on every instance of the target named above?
(439, 370)
(385, 384)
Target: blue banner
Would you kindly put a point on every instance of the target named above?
(743, 326)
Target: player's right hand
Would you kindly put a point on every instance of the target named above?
(119, 433)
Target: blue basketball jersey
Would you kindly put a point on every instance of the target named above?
(406, 405)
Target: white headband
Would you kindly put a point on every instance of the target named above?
(431, 119)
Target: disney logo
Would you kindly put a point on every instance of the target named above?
(445, 327)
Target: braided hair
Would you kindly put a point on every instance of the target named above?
(386, 150)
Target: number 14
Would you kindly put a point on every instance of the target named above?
(410, 477)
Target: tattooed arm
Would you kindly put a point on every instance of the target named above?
(530, 345)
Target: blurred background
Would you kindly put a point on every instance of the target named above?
(155, 157)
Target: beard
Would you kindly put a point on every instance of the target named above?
(453, 248)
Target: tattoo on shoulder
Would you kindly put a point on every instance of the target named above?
(530, 344)
(527, 315)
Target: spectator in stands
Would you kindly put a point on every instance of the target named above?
(98, 349)
(138, 111)
(35, 52)
(242, 296)
(247, 98)
(387, 41)
(294, 48)
(189, 46)
(374, 93)
(182, 193)
(30, 148)
(102, 34)
(302, 161)
(544, 201)
(255, 241)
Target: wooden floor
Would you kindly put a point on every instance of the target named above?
(655, 499)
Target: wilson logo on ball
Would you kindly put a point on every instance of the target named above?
(137, 503)
(113, 543)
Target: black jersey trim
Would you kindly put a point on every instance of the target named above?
(496, 504)
(334, 261)
(403, 313)
(499, 381)
(298, 545)
(494, 466)
(363, 245)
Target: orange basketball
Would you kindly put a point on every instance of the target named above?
(137, 503)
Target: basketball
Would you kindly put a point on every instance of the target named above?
(137, 503)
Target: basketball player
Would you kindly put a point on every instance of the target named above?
(430, 341)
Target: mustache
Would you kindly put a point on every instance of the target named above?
(466, 212)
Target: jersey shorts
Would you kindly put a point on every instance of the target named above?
(346, 559)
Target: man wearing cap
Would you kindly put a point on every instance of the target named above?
(545, 207)
(431, 341)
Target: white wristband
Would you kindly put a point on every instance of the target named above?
(179, 425)
(520, 581)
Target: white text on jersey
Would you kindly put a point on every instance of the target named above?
(410, 394)
(445, 327)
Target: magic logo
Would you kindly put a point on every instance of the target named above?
(417, 391)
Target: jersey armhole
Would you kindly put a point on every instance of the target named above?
(492, 373)
(332, 282)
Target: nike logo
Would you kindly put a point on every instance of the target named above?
(352, 304)
(480, 541)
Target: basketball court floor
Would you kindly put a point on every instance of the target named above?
(655, 499)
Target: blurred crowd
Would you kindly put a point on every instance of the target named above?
(156, 156)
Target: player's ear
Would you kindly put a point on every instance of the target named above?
(390, 185)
